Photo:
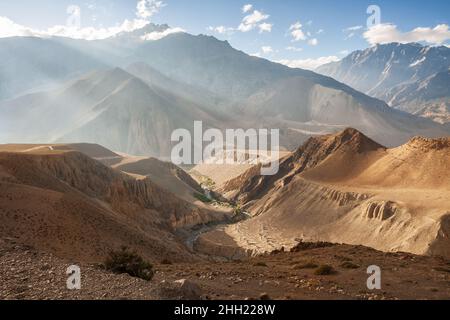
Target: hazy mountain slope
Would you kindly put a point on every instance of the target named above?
(347, 188)
(28, 63)
(438, 111)
(206, 62)
(32, 63)
(139, 120)
(205, 99)
(429, 98)
(46, 116)
(182, 78)
(111, 108)
(428, 89)
(113, 51)
(303, 106)
(274, 95)
(404, 75)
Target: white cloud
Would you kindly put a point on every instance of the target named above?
(320, 31)
(297, 32)
(152, 36)
(148, 8)
(145, 9)
(298, 35)
(267, 49)
(351, 31)
(9, 28)
(221, 30)
(313, 42)
(344, 52)
(354, 28)
(295, 49)
(309, 64)
(350, 35)
(252, 20)
(295, 26)
(247, 8)
(386, 33)
(265, 27)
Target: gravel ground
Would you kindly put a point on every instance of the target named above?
(28, 274)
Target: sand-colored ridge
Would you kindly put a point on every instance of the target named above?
(346, 188)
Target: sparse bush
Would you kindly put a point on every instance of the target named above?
(166, 262)
(208, 182)
(202, 197)
(304, 246)
(442, 269)
(324, 270)
(349, 265)
(129, 262)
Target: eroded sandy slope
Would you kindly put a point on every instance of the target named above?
(345, 188)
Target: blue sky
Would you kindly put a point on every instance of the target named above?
(320, 28)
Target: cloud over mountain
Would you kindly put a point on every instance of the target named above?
(387, 33)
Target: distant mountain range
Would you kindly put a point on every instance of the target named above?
(129, 94)
(410, 77)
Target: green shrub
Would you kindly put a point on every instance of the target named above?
(202, 197)
(129, 262)
(238, 210)
(324, 270)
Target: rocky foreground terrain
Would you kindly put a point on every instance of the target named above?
(26, 273)
(65, 205)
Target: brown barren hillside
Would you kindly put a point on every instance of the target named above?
(74, 206)
(346, 188)
(164, 174)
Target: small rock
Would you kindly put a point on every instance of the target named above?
(264, 296)
(182, 290)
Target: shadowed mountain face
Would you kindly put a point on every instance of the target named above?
(171, 82)
(407, 76)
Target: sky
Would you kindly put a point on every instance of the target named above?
(298, 33)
